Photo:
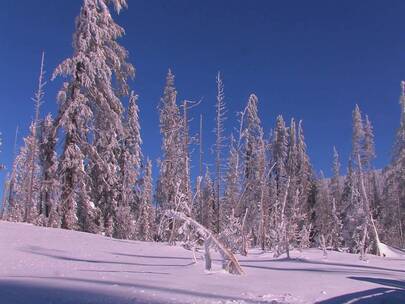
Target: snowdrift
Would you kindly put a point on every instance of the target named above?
(391, 252)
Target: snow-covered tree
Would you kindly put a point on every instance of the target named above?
(170, 164)
(32, 203)
(50, 186)
(185, 160)
(27, 181)
(130, 163)
(145, 229)
(254, 170)
(208, 199)
(327, 223)
(353, 212)
(357, 135)
(368, 147)
(335, 183)
(232, 185)
(393, 217)
(90, 105)
(219, 144)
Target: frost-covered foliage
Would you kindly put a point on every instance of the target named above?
(327, 222)
(219, 145)
(208, 218)
(130, 163)
(90, 108)
(145, 228)
(232, 185)
(171, 174)
(49, 184)
(393, 210)
(25, 202)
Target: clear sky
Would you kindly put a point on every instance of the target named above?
(309, 59)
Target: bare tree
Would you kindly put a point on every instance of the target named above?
(219, 144)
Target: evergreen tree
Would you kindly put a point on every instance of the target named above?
(393, 216)
(170, 165)
(89, 103)
(130, 163)
(232, 185)
(353, 212)
(146, 218)
(335, 184)
(254, 168)
(49, 184)
(27, 181)
(357, 135)
(369, 148)
(208, 198)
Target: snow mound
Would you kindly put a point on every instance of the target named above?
(391, 252)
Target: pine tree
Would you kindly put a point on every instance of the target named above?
(145, 224)
(185, 167)
(335, 184)
(32, 204)
(130, 163)
(393, 216)
(305, 177)
(208, 198)
(279, 182)
(27, 181)
(88, 100)
(170, 165)
(49, 183)
(327, 223)
(9, 202)
(279, 152)
(353, 212)
(232, 185)
(369, 147)
(254, 169)
(357, 135)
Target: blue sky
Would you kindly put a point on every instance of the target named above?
(312, 60)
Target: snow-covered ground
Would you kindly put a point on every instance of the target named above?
(43, 265)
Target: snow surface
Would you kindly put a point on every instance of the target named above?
(45, 265)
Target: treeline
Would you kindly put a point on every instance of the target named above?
(262, 192)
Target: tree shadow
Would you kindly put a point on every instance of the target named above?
(36, 289)
(124, 271)
(312, 269)
(22, 292)
(381, 281)
(298, 260)
(151, 256)
(47, 253)
(394, 294)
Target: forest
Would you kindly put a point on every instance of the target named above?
(262, 192)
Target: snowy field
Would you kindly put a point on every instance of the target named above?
(42, 265)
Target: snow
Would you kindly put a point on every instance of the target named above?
(391, 252)
(44, 265)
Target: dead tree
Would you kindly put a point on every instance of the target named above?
(229, 261)
(369, 216)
